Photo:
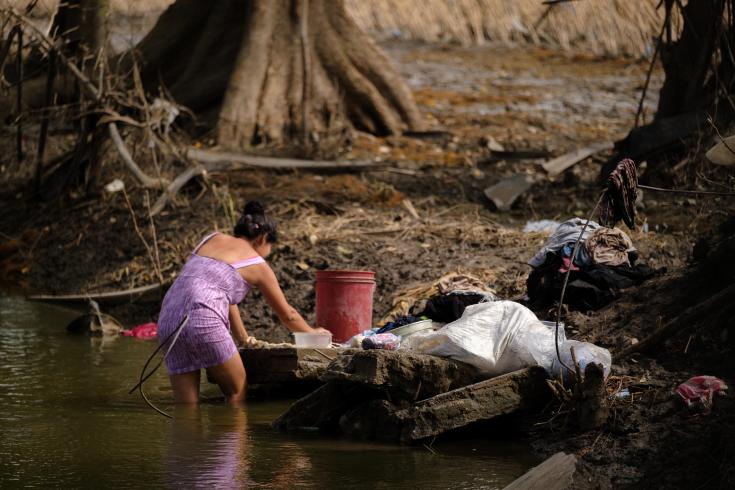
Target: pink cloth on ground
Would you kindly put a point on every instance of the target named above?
(145, 331)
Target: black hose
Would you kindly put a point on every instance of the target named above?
(143, 379)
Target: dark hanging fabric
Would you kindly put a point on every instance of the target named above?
(618, 202)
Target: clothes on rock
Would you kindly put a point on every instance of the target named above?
(567, 232)
(449, 307)
(609, 246)
(618, 202)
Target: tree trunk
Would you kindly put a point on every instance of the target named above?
(688, 61)
(82, 24)
(275, 70)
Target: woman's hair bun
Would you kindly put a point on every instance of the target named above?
(254, 223)
(254, 208)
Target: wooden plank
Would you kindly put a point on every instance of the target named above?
(559, 164)
(485, 400)
(108, 298)
(556, 473)
(504, 193)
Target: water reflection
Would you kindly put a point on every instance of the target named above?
(211, 448)
(207, 451)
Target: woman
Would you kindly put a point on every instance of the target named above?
(219, 273)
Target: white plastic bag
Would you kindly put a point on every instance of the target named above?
(501, 337)
(496, 338)
(585, 354)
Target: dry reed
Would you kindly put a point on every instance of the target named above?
(600, 27)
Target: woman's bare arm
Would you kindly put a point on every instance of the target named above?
(266, 281)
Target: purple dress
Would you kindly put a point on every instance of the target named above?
(204, 290)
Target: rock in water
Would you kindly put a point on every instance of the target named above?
(94, 322)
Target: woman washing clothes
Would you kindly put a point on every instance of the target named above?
(217, 276)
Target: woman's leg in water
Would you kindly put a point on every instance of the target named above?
(231, 378)
(186, 387)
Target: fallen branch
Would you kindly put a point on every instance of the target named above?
(175, 186)
(145, 180)
(111, 297)
(690, 317)
(219, 161)
(222, 160)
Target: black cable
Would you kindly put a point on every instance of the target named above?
(143, 379)
(685, 191)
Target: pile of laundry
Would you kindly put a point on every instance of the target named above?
(605, 263)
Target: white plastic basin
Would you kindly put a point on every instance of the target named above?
(308, 339)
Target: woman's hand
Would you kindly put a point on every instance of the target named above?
(320, 330)
(248, 342)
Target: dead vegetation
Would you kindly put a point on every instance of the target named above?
(601, 27)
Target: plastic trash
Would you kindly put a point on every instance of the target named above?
(501, 337)
(585, 353)
(384, 341)
(552, 326)
(144, 331)
(115, 186)
(623, 394)
(543, 226)
(699, 392)
(356, 341)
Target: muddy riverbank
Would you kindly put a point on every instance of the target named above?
(521, 99)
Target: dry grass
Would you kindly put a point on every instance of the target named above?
(601, 27)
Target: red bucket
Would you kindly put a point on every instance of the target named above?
(344, 302)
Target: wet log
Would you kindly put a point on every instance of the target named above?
(402, 376)
(556, 473)
(591, 398)
(322, 408)
(524, 389)
(282, 364)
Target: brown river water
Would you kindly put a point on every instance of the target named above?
(67, 421)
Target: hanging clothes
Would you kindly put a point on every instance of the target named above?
(618, 202)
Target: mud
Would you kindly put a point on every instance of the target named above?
(521, 98)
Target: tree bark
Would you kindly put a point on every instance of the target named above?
(240, 65)
(688, 60)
